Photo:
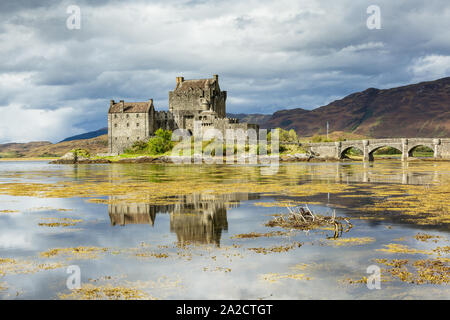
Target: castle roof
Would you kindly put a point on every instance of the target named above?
(194, 84)
(130, 107)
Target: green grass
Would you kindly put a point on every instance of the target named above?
(422, 154)
(9, 155)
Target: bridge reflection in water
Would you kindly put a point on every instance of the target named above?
(196, 218)
(367, 173)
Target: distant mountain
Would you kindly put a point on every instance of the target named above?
(17, 150)
(256, 118)
(87, 135)
(417, 110)
(47, 149)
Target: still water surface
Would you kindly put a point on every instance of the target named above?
(184, 246)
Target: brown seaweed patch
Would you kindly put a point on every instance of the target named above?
(9, 211)
(106, 292)
(426, 237)
(355, 281)
(424, 205)
(75, 253)
(400, 248)
(276, 277)
(217, 269)
(426, 271)
(161, 191)
(442, 250)
(338, 242)
(152, 255)
(277, 249)
(60, 222)
(252, 235)
(18, 266)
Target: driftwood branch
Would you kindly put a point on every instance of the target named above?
(303, 218)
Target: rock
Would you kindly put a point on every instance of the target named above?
(61, 161)
(94, 161)
(145, 159)
(287, 157)
(68, 156)
(127, 160)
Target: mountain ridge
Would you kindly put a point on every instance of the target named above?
(421, 109)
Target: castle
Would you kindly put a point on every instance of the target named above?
(191, 100)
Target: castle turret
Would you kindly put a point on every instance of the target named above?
(179, 80)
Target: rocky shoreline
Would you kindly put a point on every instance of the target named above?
(70, 159)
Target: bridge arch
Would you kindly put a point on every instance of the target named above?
(372, 150)
(413, 147)
(345, 149)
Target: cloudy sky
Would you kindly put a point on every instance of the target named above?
(270, 55)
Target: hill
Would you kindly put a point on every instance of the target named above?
(255, 118)
(47, 149)
(87, 135)
(417, 110)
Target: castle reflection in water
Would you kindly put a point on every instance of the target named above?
(201, 218)
(195, 218)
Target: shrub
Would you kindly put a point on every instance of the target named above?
(161, 142)
(284, 135)
(80, 153)
(137, 147)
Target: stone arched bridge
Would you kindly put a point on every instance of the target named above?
(336, 150)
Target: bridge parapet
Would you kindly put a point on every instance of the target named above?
(336, 150)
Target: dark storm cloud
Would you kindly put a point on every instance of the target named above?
(269, 55)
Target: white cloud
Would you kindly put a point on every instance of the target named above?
(21, 125)
(269, 54)
(431, 67)
(364, 46)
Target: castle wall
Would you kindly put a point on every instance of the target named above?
(126, 128)
(220, 104)
(164, 120)
(229, 124)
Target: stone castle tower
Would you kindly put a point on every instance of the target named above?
(191, 100)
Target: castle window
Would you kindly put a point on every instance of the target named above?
(115, 125)
(128, 115)
(128, 124)
(115, 116)
(137, 124)
(137, 115)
